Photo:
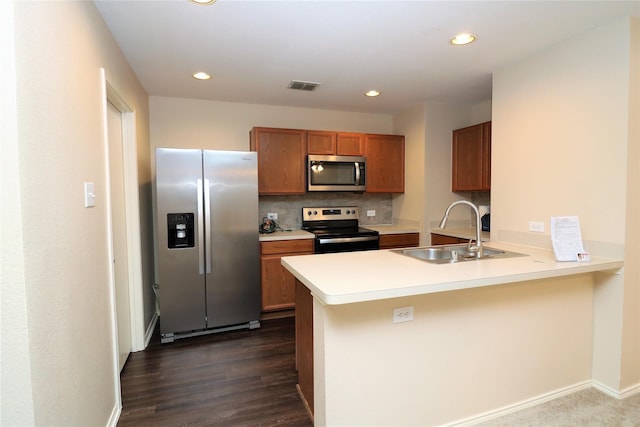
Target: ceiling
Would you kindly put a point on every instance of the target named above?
(253, 49)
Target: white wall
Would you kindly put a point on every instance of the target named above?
(16, 405)
(63, 287)
(630, 374)
(562, 146)
(410, 206)
(560, 136)
(465, 353)
(190, 123)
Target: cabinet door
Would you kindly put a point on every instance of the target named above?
(350, 144)
(278, 285)
(385, 163)
(278, 292)
(281, 160)
(471, 158)
(335, 143)
(320, 142)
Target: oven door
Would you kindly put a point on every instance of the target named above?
(328, 244)
(336, 173)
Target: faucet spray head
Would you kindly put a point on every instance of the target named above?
(443, 222)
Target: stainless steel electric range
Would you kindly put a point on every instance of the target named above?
(337, 230)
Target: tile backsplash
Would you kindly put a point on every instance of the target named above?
(289, 208)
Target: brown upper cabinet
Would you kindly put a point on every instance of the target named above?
(471, 167)
(282, 157)
(281, 160)
(335, 143)
(385, 163)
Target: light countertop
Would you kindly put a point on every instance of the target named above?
(286, 235)
(393, 229)
(351, 277)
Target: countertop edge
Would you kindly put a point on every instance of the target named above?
(392, 229)
(286, 235)
(548, 269)
(461, 285)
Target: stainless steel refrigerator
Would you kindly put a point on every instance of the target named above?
(207, 248)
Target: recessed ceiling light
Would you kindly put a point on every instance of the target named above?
(372, 93)
(203, 2)
(464, 38)
(201, 75)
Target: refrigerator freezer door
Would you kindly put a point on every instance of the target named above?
(233, 285)
(181, 285)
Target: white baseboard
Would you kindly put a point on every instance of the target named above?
(115, 415)
(629, 391)
(506, 410)
(528, 403)
(149, 332)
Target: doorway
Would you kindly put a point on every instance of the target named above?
(119, 260)
(124, 221)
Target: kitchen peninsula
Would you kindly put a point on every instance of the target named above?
(482, 335)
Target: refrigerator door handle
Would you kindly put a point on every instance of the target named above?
(207, 227)
(201, 225)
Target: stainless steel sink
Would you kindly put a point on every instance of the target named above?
(453, 253)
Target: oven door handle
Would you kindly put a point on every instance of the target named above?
(347, 239)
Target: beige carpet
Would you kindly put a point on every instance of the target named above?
(588, 407)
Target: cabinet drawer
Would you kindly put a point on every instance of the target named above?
(439, 239)
(388, 241)
(286, 247)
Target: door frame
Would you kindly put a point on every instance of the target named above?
(132, 212)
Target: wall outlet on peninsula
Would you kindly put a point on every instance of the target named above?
(403, 314)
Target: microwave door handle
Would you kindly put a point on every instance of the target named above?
(357, 173)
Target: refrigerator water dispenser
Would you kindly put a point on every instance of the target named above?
(180, 231)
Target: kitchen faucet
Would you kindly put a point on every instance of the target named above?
(477, 248)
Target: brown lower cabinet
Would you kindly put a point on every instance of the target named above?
(304, 344)
(278, 285)
(440, 239)
(400, 240)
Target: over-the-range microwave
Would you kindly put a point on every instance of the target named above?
(336, 173)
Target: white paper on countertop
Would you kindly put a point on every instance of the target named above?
(566, 239)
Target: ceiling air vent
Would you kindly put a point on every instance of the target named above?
(299, 85)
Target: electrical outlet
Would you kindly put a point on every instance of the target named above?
(403, 314)
(371, 212)
(536, 226)
(272, 215)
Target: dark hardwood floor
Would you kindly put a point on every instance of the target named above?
(236, 378)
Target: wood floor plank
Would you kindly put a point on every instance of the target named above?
(235, 378)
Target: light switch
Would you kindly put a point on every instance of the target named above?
(89, 195)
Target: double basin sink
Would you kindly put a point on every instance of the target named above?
(453, 253)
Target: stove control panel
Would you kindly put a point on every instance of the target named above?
(332, 213)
